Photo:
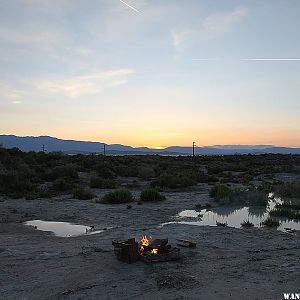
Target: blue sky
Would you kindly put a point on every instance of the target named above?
(169, 74)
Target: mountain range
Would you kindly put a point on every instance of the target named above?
(51, 144)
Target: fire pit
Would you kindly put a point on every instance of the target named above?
(148, 251)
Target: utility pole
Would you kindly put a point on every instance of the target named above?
(194, 144)
(104, 149)
(44, 149)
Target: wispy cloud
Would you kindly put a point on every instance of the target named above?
(212, 26)
(17, 102)
(28, 36)
(178, 39)
(83, 85)
(219, 23)
(10, 94)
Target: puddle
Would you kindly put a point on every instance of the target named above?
(62, 229)
(233, 216)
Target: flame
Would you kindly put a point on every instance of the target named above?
(144, 241)
(154, 251)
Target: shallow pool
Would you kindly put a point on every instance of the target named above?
(62, 229)
(233, 216)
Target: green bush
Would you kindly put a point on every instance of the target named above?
(102, 183)
(285, 212)
(68, 170)
(247, 224)
(173, 181)
(151, 194)
(60, 185)
(288, 205)
(271, 222)
(224, 194)
(38, 194)
(14, 182)
(219, 192)
(146, 172)
(117, 197)
(83, 194)
(105, 172)
(289, 190)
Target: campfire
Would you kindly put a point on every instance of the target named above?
(146, 250)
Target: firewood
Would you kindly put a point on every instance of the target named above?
(159, 243)
(126, 251)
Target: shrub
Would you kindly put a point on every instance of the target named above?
(290, 190)
(102, 183)
(173, 181)
(219, 192)
(117, 197)
(68, 170)
(288, 205)
(271, 222)
(222, 193)
(146, 172)
(13, 182)
(38, 194)
(285, 212)
(247, 224)
(105, 172)
(220, 224)
(151, 194)
(83, 194)
(60, 185)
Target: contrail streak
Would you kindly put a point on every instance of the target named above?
(130, 6)
(248, 59)
(271, 59)
(204, 59)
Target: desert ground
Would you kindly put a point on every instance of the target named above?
(228, 263)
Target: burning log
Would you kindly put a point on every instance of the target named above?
(156, 251)
(173, 254)
(159, 243)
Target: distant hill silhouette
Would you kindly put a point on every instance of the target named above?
(30, 143)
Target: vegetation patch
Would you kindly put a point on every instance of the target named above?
(289, 190)
(226, 195)
(102, 183)
(151, 195)
(173, 181)
(247, 224)
(117, 197)
(83, 194)
(270, 222)
(288, 205)
(284, 212)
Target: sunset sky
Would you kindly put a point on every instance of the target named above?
(165, 72)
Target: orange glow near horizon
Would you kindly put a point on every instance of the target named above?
(163, 139)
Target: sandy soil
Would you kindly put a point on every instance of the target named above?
(228, 263)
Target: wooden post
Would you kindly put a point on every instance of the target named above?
(194, 144)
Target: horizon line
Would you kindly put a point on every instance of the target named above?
(154, 147)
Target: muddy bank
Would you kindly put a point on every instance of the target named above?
(227, 263)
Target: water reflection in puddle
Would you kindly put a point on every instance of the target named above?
(62, 229)
(233, 216)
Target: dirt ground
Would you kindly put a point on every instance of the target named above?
(228, 263)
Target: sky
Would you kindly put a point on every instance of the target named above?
(158, 73)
